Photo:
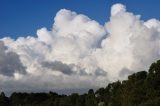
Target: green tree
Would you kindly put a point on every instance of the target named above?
(101, 104)
(4, 101)
(91, 99)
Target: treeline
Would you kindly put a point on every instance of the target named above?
(140, 89)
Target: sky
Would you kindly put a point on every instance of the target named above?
(30, 15)
(71, 46)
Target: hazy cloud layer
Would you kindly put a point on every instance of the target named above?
(79, 52)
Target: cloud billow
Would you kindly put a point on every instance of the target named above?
(58, 66)
(9, 62)
(79, 52)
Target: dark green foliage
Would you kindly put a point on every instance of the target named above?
(140, 89)
(91, 99)
(4, 101)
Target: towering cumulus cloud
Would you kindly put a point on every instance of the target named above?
(79, 52)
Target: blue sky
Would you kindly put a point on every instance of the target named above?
(24, 17)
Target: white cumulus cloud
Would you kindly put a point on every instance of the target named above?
(79, 52)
